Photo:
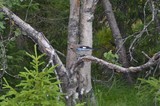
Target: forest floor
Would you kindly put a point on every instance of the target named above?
(119, 94)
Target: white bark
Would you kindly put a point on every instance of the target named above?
(86, 39)
(86, 19)
(80, 33)
(73, 32)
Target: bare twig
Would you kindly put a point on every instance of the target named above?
(145, 55)
(139, 35)
(30, 3)
(60, 53)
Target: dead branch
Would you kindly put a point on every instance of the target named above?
(43, 44)
(152, 61)
(146, 25)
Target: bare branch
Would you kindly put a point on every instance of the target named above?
(139, 35)
(146, 55)
(28, 10)
(43, 44)
(153, 61)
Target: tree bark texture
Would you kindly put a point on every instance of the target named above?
(73, 32)
(121, 50)
(73, 35)
(80, 33)
(86, 19)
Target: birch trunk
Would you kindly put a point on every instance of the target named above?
(80, 33)
(86, 19)
(73, 32)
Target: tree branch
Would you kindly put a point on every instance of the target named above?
(43, 44)
(152, 61)
(146, 25)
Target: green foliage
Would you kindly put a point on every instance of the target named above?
(2, 22)
(15, 60)
(42, 15)
(10, 3)
(2, 26)
(37, 87)
(110, 57)
(118, 94)
(49, 17)
(137, 26)
(17, 32)
(104, 39)
(149, 90)
(104, 36)
(149, 44)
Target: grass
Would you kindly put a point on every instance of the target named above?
(118, 94)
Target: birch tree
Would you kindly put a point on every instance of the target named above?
(76, 76)
(80, 33)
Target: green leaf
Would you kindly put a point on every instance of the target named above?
(17, 32)
(1, 14)
(2, 26)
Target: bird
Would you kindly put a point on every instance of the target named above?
(81, 50)
(84, 48)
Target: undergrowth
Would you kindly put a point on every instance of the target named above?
(119, 94)
(38, 87)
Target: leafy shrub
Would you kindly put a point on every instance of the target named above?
(37, 87)
(149, 90)
(110, 57)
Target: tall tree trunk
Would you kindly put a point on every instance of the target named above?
(117, 36)
(73, 32)
(86, 18)
(80, 33)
